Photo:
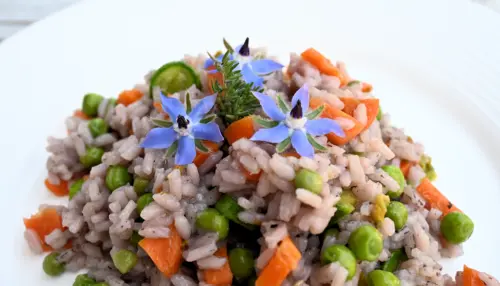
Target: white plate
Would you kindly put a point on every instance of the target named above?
(434, 64)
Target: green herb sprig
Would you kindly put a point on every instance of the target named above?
(235, 99)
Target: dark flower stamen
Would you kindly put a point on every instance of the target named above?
(297, 110)
(182, 122)
(245, 49)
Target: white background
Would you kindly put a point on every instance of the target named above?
(17, 14)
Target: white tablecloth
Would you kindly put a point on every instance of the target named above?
(17, 14)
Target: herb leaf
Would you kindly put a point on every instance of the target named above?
(238, 100)
(188, 103)
(316, 112)
(172, 149)
(353, 82)
(283, 145)
(283, 105)
(265, 122)
(316, 144)
(199, 145)
(209, 118)
(228, 46)
(162, 122)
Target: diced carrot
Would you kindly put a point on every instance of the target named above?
(78, 113)
(251, 177)
(435, 198)
(43, 223)
(332, 113)
(470, 277)
(213, 77)
(366, 87)
(243, 128)
(285, 259)
(130, 96)
(58, 190)
(221, 276)
(201, 157)
(323, 64)
(372, 106)
(405, 167)
(291, 154)
(166, 253)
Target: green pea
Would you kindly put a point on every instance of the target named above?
(135, 238)
(398, 176)
(143, 201)
(392, 264)
(382, 278)
(92, 157)
(366, 243)
(140, 185)
(309, 180)
(75, 188)
(241, 262)
(116, 177)
(398, 213)
(342, 255)
(456, 227)
(343, 209)
(98, 126)
(91, 103)
(229, 208)
(83, 280)
(51, 266)
(211, 220)
(124, 260)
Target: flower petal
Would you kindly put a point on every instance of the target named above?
(303, 95)
(202, 108)
(322, 126)
(172, 106)
(186, 152)
(265, 66)
(209, 131)
(271, 135)
(269, 106)
(250, 77)
(301, 144)
(159, 138)
(209, 62)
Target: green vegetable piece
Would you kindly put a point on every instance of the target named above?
(116, 177)
(426, 164)
(140, 185)
(97, 127)
(211, 220)
(343, 209)
(397, 257)
(75, 188)
(379, 114)
(83, 280)
(135, 238)
(309, 180)
(382, 278)
(173, 77)
(92, 157)
(124, 260)
(456, 227)
(398, 176)
(348, 197)
(353, 82)
(398, 213)
(342, 255)
(366, 243)
(143, 201)
(251, 281)
(91, 103)
(331, 232)
(241, 262)
(229, 208)
(51, 266)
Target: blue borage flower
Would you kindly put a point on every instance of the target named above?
(252, 69)
(294, 126)
(183, 134)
